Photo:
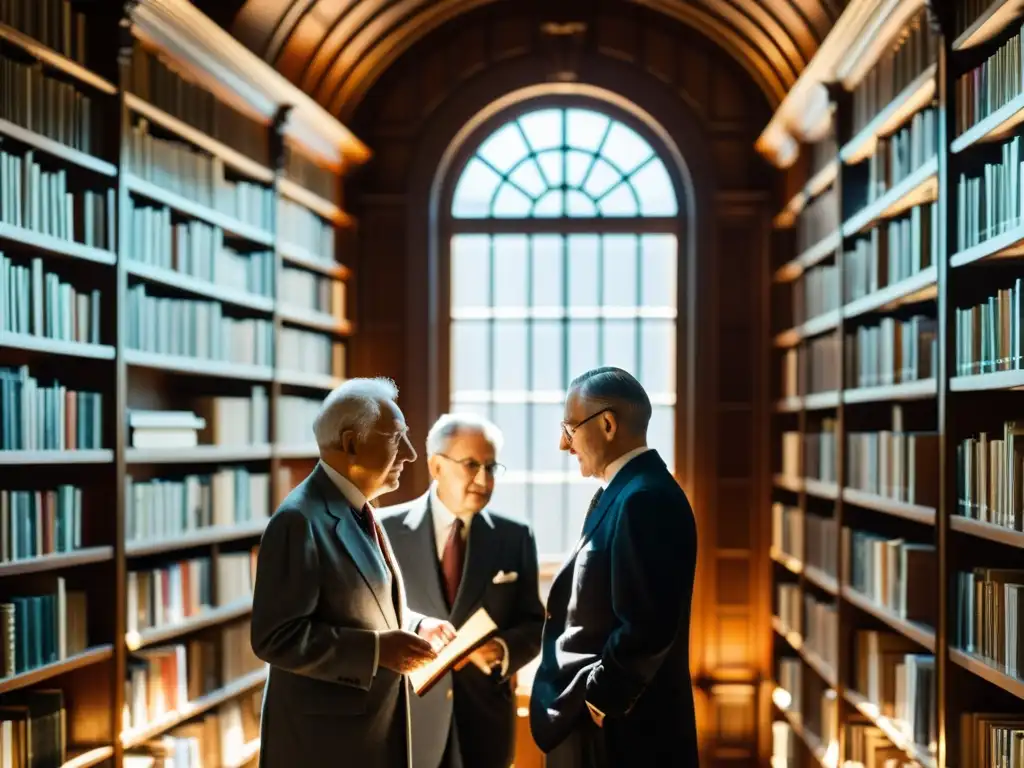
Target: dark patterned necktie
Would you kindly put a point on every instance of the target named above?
(593, 503)
(452, 560)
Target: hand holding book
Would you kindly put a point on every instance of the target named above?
(470, 636)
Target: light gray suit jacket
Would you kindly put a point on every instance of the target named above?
(322, 590)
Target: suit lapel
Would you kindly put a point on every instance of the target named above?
(418, 532)
(359, 546)
(476, 571)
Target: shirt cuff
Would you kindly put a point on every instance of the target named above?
(376, 653)
(504, 657)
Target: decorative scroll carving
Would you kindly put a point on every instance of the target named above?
(277, 128)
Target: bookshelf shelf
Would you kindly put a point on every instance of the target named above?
(988, 671)
(982, 530)
(231, 157)
(823, 670)
(821, 489)
(793, 484)
(198, 455)
(821, 401)
(324, 208)
(816, 253)
(56, 149)
(821, 324)
(915, 512)
(198, 366)
(299, 257)
(891, 729)
(248, 752)
(907, 390)
(55, 246)
(993, 20)
(317, 321)
(89, 758)
(15, 458)
(810, 740)
(320, 381)
(183, 205)
(199, 287)
(789, 405)
(821, 579)
(1009, 244)
(817, 184)
(58, 561)
(302, 451)
(997, 126)
(921, 186)
(198, 538)
(923, 636)
(988, 381)
(919, 287)
(917, 95)
(244, 684)
(54, 60)
(207, 618)
(790, 563)
(94, 655)
(47, 346)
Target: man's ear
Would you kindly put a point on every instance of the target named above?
(348, 442)
(609, 425)
(433, 463)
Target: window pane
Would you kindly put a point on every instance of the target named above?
(511, 419)
(509, 355)
(625, 149)
(469, 355)
(658, 356)
(551, 164)
(661, 433)
(602, 177)
(504, 148)
(547, 271)
(580, 494)
(543, 128)
(474, 191)
(618, 202)
(527, 176)
(510, 274)
(547, 515)
(545, 455)
(480, 409)
(578, 204)
(620, 270)
(583, 352)
(550, 204)
(471, 271)
(658, 270)
(576, 166)
(585, 129)
(620, 345)
(511, 203)
(583, 274)
(653, 185)
(548, 356)
(509, 498)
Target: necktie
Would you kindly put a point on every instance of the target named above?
(452, 560)
(368, 523)
(593, 503)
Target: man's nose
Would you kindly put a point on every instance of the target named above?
(563, 443)
(409, 453)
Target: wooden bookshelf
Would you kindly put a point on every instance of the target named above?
(955, 524)
(240, 254)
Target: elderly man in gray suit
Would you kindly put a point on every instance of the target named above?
(460, 555)
(329, 613)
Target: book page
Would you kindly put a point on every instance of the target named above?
(469, 636)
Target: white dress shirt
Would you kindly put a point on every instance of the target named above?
(443, 519)
(356, 498)
(614, 467)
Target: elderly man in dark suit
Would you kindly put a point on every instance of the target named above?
(460, 555)
(329, 613)
(613, 686)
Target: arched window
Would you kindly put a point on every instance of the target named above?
(563, 257)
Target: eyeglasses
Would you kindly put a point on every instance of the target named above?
(472, 466)
(569, 431)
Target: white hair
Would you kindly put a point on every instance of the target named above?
(450, 424)
(355, 405)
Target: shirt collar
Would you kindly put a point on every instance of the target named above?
(352, 494)
(442, 516)
(614, 467)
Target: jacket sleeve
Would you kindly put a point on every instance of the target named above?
(284, 632)
(522, 636)
(653, 558)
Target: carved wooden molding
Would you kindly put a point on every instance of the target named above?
(563, 42)
(238, 76)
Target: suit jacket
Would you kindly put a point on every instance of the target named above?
(321, 593)
(617, 630)
(483, 706)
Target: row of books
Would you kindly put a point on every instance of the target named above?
(311, 291)
(312, 352)
(988, 334)
(215, 420)
(897, 465)
(817, 293)
(823, 369)
(178, 167)
(40, 200)
(992, 84)
(790, 465)
(991, 738)
(967, 12)
(820, 453)
(295, 417)
(38, 416)
(301, 170)
(44, 627)
(989, 200)
(893, 351)
(892, 251)
(33, 727)
(198, 249)
(899, 155)
(45, 105)
(821, 630)
(164, 508)
(818, 219)
(989, 617)
(790, 679)
(297, 225)
(893, 573)
(37, 302)
(57, 24)
(820, 544)
(788, 530)
(788, 606)
(896, 68)
(990, 477)
(198, 329)
(40, 522)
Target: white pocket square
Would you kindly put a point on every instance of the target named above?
(504, 578)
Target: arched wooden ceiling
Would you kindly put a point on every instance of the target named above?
(335, 49)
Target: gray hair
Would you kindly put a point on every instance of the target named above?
(354, 405)
(614, 388)
(451, 424)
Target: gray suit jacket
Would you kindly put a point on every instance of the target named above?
(322, 590)
(483, 707)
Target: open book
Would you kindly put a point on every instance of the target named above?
(469, 637)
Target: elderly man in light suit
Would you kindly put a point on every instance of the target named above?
(460, 555)
(329, 613)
